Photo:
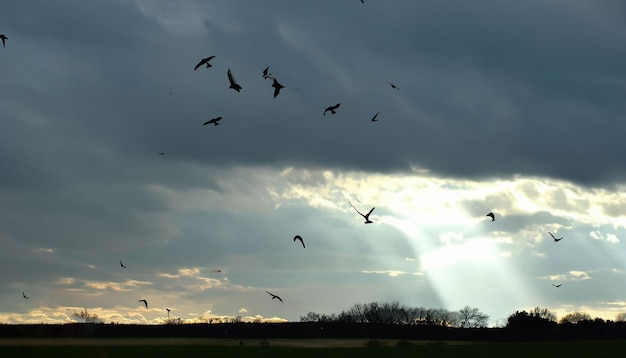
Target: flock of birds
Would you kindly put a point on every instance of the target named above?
(216, 121)
(277, 86)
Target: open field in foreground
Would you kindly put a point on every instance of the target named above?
(301, 348)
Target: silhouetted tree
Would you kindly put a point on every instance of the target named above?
(310, 317)
(575, 317)
(544, 313)
(468, 317)
(174, 321)
(620, 317)
(538, 317)
(86, 316)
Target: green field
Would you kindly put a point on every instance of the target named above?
(301, 348)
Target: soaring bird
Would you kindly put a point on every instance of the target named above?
(277, 86)
(492, 216)
(204, 61)
(24, 295)
(217, 270)
(559, 285)
(266, 73)
(366, 216)
(121, 264)
(162, 153)
(555, 239)
(274, 296)
(298, 237)
(144, 302)
(393, 86)
(214, 121)
(332, 109)
(3, 37)
(374, 118)
(233, 84)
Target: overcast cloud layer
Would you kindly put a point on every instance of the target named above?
(512, 107)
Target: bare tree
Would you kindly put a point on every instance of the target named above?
(543, 313)
(86, 316)
(620, 317)
(468, 317)
(575, 317)
(174, 321)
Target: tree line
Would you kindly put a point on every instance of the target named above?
(397, 313)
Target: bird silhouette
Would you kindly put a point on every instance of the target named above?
(144, 302)
(204, 61)
(4, 38)
(217, 270)
(374, 118)
(162, 153)
(122, 265)
(277, 86)
(492, 216)
(266, 73)
(366, 216)
(559, 285)
(275, 296)
(233, 84)
(298, 237)
(332, 109)
(214, 121)
(24, 295)
(393, 86)
(555, 239)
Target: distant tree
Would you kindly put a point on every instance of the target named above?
(538, 317)
(575, 317)
(174, 321)
(86, 317)
(544, 313)
(310, 317)
(620, 317)
(468, 317)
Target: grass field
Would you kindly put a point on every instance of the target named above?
(301, 348)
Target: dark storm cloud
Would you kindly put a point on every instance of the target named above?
(539, 84)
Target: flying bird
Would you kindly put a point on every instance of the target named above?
(204, 61)
(214, 121)
(559, 285)
(122, 265)
(217, 270)
(298, 237)
(366, 216)
(24, 295)
(233, 84)
(162, 153)
(144, 302)
(374, 118)
(393, 86)
(555, 239)
(332, 109)
(492, 216)
(274, 296)
(3, 37)
(266, 73)
(277, 86)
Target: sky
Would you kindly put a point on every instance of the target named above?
(510, 107)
